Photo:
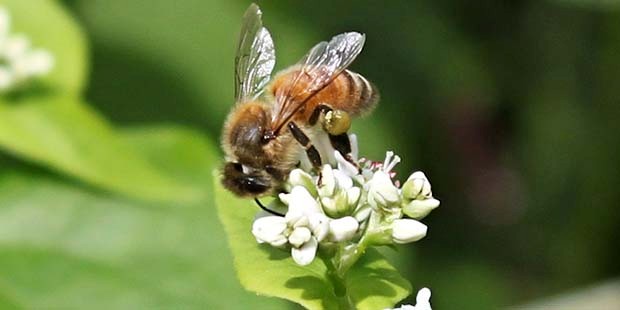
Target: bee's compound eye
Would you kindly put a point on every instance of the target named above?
(254, 185)
(238, 167)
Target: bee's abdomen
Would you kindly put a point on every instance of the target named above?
(349, 92)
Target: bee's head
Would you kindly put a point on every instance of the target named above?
(245, 181)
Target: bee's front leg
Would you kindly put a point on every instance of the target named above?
(311, 151)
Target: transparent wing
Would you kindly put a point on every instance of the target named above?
(316, 70)
(255, 57)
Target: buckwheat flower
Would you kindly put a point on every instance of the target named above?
(417, 186)
(305, 254)
(418, 209)
(306, 224)
(381, 191)
(35, 63)
(15, 46)
(343, 229)
(407, 230)
(19, 62)
(422, 301)
(270, 229)
(298, 177)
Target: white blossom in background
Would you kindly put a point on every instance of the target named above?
(349, 205)
(422, 301)
(19, 61)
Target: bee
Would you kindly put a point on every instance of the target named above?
(275, 121)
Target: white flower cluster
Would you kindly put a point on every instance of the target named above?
(345, 205)
(19, 62)
(422, 301)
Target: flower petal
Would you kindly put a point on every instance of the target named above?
(418, 209)
(305, 254)
(299, 236)
(328, 182)
(345, 166)
(300, 200)
(269, 229)
(343, 228)
(381, 191)
(319, 224)
(407, 230)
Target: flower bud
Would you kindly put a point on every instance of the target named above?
(417, 186)
(407, 230)
(418, 209)
(343, 228)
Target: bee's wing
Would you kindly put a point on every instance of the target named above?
(255, 57)
(317, 69)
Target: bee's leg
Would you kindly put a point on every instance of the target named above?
(300, 136)
(341, 143)
(316, 114)
(335, 122)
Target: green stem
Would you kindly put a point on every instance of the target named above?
(331, 258)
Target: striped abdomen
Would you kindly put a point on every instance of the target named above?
(349, 92)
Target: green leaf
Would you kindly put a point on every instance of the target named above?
(48, 25)
(375, 284)
(70, 138)
(372, 283)
(66, 247)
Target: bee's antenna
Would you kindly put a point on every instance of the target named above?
(266, 209)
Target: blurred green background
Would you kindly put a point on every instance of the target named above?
(512, 109)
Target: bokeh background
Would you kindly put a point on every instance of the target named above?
(512, 109)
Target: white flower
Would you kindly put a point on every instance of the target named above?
(422, 301)
(418, 209)
(298, 177)
(345, 166)
(300, 202)
(343, 228)
(417, 186)
(39, 62)
(18, 61)
(270, 229)
(381, 191)
(305, 254)
(340, 206)
(305, 225)
(299, 236)
(15, 46)
(319, 224)
(407, 230)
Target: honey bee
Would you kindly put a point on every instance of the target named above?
(274, 122)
